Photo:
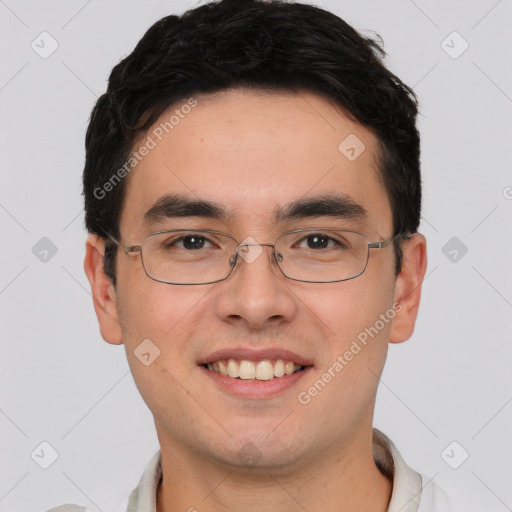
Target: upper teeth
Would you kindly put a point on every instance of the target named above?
(260, 370)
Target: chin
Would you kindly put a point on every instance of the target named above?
(262, 453)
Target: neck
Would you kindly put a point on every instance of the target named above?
(344, 479)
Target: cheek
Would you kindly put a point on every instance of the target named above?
(357, 316)
(162, 318)
(154, 310)
(356, 321)
(352, 308)
(158, 324)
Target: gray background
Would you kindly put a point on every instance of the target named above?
(62, 384)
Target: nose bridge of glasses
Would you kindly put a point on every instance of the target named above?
(243, 250)
(254, 244)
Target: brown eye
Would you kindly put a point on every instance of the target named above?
(318, 241)
(188, 242)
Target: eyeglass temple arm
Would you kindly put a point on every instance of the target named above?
(132, 248)
(127, 248)
(378, 245)
(384, 243)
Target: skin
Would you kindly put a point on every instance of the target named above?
(252, 152)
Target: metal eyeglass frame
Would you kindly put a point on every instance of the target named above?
(235, 258)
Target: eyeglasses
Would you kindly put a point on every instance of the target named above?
(203, 256)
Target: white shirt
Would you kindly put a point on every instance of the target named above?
(412, 492)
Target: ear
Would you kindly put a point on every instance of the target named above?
(408, 288)
(103, 292)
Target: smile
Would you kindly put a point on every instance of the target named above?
(254, 370)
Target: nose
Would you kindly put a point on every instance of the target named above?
(256, 293)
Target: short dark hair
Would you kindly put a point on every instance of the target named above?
(266, 45)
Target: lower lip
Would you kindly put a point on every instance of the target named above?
(258, 389)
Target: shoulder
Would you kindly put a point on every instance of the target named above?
(140, 498)
(433, 498)
(113, 504)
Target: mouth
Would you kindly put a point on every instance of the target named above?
(255, 370)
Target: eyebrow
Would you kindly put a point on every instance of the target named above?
(339, 206)
(171, 206)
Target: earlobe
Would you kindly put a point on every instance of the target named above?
(103, 293)
(408, 287)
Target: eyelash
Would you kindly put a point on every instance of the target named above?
(173, 242)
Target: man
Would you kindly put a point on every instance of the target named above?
(252, 190)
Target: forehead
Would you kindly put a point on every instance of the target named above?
(253, 153)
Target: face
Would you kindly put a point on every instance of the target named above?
(254, 154)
